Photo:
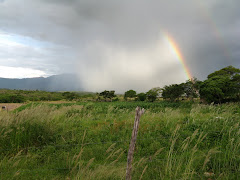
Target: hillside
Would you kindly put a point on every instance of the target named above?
(63, 82)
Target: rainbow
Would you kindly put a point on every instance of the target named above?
(177, 52)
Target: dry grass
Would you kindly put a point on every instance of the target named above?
(10, 106)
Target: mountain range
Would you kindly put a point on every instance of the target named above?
(63, 82)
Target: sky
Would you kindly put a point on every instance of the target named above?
(119, 45)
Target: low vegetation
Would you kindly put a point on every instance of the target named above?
(90, 141)
(20, 96)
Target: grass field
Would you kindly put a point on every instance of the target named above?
(91, 140)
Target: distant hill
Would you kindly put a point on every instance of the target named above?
(63, 82)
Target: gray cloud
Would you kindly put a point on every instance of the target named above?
(120, 44)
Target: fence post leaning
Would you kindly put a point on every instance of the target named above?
(139, 112)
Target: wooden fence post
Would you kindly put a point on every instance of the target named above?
(139, 112)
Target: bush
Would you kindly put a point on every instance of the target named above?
(11, 98)
(221, 86)
(141, 96)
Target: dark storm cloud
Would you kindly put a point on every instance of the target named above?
(100, 39)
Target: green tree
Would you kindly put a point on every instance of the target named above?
(12, 98)
(107, 95)
(236, 86)
(221, 86)
(173, 92)
(141, 96)
(152, 94)
(130, 94)
(228, 71)
(191, 88)
(18, 98)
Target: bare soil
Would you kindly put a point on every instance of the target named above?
(10, 106)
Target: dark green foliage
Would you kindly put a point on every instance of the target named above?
(11, 98)
(221, 86)
(20, 96)
(228, 71)
(173, 92)
(212, 90)
(107, 95)
(191, 88)
(152, 94)
(130, 94)
(141, 96)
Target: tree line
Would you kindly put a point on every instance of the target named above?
(220, 86)
(20, 96)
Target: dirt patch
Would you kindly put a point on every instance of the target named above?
(12, 106)
(9, 106)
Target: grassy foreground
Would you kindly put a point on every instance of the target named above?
(90, 141)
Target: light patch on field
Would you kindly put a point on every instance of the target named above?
(10, 106)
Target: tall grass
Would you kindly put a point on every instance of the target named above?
(90, 141)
